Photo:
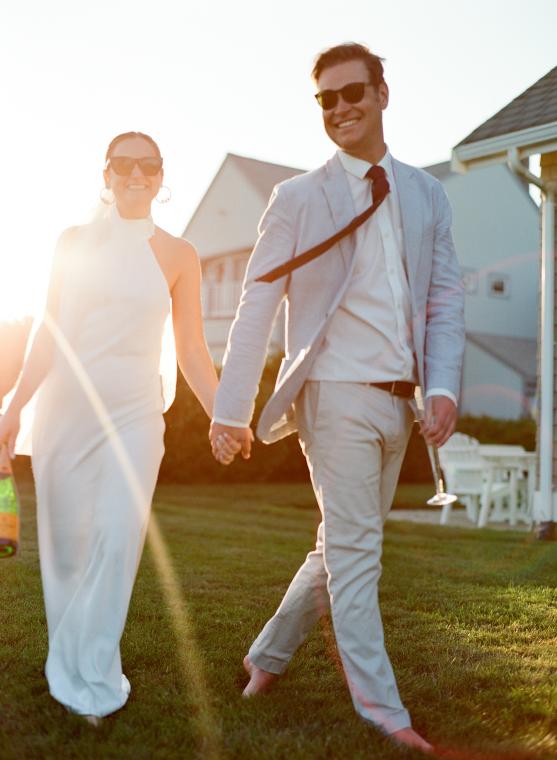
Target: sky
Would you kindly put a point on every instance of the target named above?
(209, 77)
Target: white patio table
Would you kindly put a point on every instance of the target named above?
(514, 462)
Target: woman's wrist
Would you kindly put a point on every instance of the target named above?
(15, 406)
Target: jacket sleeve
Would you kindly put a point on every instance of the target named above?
(259, 303)
(444, 336)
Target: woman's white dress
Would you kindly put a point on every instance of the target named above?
(97, 447)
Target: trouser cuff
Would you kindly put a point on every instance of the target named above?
(389, 723)
(270, 664)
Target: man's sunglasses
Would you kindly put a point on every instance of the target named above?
(351, 93)
(123, 165)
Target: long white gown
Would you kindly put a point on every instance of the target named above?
(97, 447)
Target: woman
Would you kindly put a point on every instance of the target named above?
(98, 427)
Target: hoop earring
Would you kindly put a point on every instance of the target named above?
(164, 195)
(107, 196)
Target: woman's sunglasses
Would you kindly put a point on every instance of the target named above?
(351, 93)
(123, 165)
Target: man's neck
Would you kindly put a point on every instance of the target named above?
(372, 155)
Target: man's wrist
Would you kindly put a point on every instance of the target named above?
(442, 392)
(229, 423)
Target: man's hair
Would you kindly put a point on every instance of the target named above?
(349, 51)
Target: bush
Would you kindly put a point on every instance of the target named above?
(188, 456)
(490, 430)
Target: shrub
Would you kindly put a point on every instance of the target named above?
(520, 432)
(188, 456)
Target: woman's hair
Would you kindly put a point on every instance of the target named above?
(127, 136)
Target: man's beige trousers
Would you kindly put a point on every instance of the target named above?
(354, 437)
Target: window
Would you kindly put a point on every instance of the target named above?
(498, 285)
(214, 271)
(240, 263)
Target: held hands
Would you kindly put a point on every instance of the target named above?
(9, 428)
(228, 441)
(440, 420)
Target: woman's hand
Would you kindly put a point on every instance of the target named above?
(9, 428)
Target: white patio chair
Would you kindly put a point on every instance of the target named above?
(506, 464)
(468, 477)
(461, 465)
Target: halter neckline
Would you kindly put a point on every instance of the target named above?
(144, 227)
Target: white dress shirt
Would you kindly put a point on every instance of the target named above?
(369, 339)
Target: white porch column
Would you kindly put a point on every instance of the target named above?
(545, 504)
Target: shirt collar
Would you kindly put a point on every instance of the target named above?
(359, 168)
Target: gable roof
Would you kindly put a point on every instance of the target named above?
(263, 175)
(439, 171)
(535, 107)
(517, 353)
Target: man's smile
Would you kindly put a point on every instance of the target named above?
(346, 123)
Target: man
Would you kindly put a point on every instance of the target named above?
(377, 313)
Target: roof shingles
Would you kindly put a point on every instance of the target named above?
(535, 107)
(263, 174)
(517, 353)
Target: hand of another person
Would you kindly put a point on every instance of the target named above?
(227, 441)
(440, 420)
(9, 428)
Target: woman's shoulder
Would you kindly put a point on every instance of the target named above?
(175, 246)
(68, 238)
(71, 233)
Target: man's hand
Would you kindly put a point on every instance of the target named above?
(440, 420)
(228, 441)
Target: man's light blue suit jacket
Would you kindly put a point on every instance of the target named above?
(301, 213)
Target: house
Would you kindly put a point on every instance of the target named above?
(223, 228)
(495, 229)
(525, 127)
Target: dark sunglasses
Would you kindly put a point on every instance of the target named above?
(123, 165)
(351, 93)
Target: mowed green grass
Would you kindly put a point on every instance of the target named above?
(470, 623)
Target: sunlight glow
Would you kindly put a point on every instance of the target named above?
(193, 85)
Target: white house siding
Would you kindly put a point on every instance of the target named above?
(491, 388)
(225, 220)
(496, 233)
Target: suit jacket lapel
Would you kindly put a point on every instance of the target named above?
(341, 205)
(411, 215)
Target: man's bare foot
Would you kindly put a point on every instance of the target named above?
(407, 737)
(259, 681)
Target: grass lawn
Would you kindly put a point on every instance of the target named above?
(470, 622)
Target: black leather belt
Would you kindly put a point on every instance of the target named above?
(397, 388)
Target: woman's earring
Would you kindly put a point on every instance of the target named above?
(164, 194)
(107, 196)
